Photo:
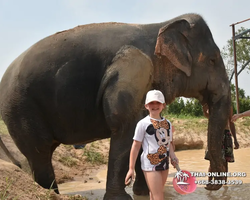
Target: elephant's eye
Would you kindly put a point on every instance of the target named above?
(212, 61)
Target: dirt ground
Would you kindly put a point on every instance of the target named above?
(71, 164)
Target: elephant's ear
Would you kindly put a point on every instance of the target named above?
(124, 85)
(173, 43)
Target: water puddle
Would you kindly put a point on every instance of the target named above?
(190, 160)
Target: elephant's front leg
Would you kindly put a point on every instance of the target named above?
(123, 89)
(117, 168)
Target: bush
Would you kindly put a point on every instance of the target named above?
(192, 107)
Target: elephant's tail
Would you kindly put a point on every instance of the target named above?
(2, 145)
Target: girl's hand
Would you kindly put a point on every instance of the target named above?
(174, 161)
(129, 177)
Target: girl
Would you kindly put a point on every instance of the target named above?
(154, 134)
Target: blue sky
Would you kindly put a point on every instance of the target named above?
(22, 23)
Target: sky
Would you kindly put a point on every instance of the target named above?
(23, 23)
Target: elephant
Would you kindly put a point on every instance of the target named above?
(89, 83)
(9, 155)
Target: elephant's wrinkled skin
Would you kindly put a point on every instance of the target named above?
(89, 83)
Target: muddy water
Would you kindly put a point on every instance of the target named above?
(191, 160)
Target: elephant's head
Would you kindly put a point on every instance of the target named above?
(191, 62)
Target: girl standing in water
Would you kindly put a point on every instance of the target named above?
(155, 135)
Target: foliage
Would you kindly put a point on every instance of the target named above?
(176, 107)
(68, 161)
(244, 102)
(94, 157)
(4, 194)
(77, 197)
(3, 127)
(192, 107)
(242, 52)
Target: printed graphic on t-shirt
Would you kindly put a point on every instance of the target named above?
(160, 129)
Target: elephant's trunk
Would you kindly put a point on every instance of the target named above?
(218, 118)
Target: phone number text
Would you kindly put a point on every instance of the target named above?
(219, 182)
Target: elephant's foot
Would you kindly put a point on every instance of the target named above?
(213, 187)
(116, 196)
(140, 188)
(214, 179)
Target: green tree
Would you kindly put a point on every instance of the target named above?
(244, 104)
(242, 52)
(188, 107)
(176, 106)
(240, 91)
(197, 109)
(192, 107)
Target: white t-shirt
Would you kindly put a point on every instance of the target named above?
(155, 136)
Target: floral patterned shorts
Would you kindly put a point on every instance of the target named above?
(227, 147)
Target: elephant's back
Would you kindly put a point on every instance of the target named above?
(81, 54)
(46, 61)
(10, 86)
(61, 74)
(92, 44)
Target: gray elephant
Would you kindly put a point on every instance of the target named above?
(89, 83)
(6, 151)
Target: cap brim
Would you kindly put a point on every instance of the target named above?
(154, 100)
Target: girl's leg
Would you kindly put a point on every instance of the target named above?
(164, 179)
(155, 181)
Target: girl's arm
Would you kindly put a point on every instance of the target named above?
(174, 159)
(136, 146)
(173, 138)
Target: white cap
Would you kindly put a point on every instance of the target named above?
(154, 95)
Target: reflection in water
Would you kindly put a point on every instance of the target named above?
(190, 160)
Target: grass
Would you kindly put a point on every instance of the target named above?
(182, 122)
(182, 117)
(68, 161)
(245, 122)
(48, 194)
(94, 157)
(4, 194)
(77, 197)
(95, 145)
(3, 128)
(201, 123)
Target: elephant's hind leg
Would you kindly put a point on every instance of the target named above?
(42, 169)
(35, 140)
